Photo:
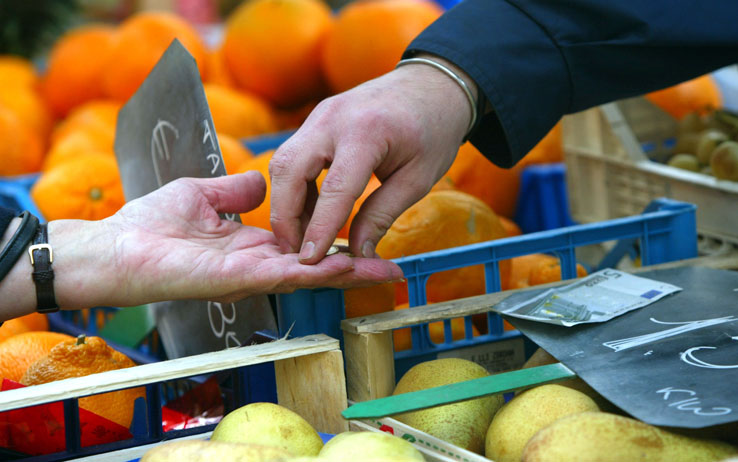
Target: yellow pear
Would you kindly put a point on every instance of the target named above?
(541, 357)
(269, 424)
(604, 437)
(463, 424)
(519, 419)
(365, 446)
(208, 451)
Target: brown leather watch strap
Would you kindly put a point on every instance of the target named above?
(42, 257)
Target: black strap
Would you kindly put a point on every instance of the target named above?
(43, 275)
(18, 243)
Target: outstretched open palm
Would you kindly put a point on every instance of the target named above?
(173, 244)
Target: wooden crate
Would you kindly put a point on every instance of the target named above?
(309, 374)
(369, 352)
(614, 158)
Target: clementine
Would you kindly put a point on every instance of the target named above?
(369, 38)
(441, 220)
(217, 70)
(16, 71)
(700, 95)
(21, 350)
(98, 118)
(403, 337)
(27, 323)
(234, 153)
(77, 143)
(81, 357)
(474, 174)
(259, 217)
(272, 48)
(550, 271)
(30, 108)
(87, 187)
(238, 113)
(372, 186)
(511, 228)
(76, 65)
(21, 149)
(142, 39)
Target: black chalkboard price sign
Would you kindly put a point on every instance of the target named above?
(164, 132)
(673, 363)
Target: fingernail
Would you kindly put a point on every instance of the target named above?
(307, 251)
(367, 250)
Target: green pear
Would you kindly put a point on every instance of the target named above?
(209, 451)
(463, 424)
(269, 424)
(365, 446)
(541, 358)
(604, 437)
(519, 419)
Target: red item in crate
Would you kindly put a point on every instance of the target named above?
(39, 429)
(203, 405)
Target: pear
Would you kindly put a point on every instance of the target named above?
(604, 437)
(685, 162)
(724, 161)
(519, 419)
(208, 451)
(269, 424)
(542, 357)
(361, 446)
(709, 140)
(463, 424)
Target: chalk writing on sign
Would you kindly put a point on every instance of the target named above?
(692, 403)
(160, 145)
(689, 358)
(681, 327)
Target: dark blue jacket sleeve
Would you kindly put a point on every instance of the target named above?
(537, 60)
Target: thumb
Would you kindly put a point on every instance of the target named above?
(380, 210)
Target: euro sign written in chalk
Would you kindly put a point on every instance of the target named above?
(165, 131)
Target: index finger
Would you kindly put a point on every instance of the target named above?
(294, 165)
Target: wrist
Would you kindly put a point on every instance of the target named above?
(454, 87)
(84, 264)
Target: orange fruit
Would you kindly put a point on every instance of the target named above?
(521, 266)
(441, 220)
(365, 301)
(372, 186)
(237, 113)
(292, 118)
(549, 150)
(21, 350)
(369, 37)
(259, 217)
(77, 143)
(87, 187)
(25, 153)
(272, 48)
(217, 70)
(700, 95)
(511, 228)
(550, 271)
(76, 65)
(98, 117)
(81, 357)
(234, 153)
(474, 174)
(403, 337)
(142, 39)
(16, 71)
(29, 107)
(27, 323)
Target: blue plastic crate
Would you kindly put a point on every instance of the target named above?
(666, 231)
(15, 193)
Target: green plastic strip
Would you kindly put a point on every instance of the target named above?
(461, 391)
(129, 326)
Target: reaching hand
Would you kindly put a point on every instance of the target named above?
(172, 244)
(405, 127)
